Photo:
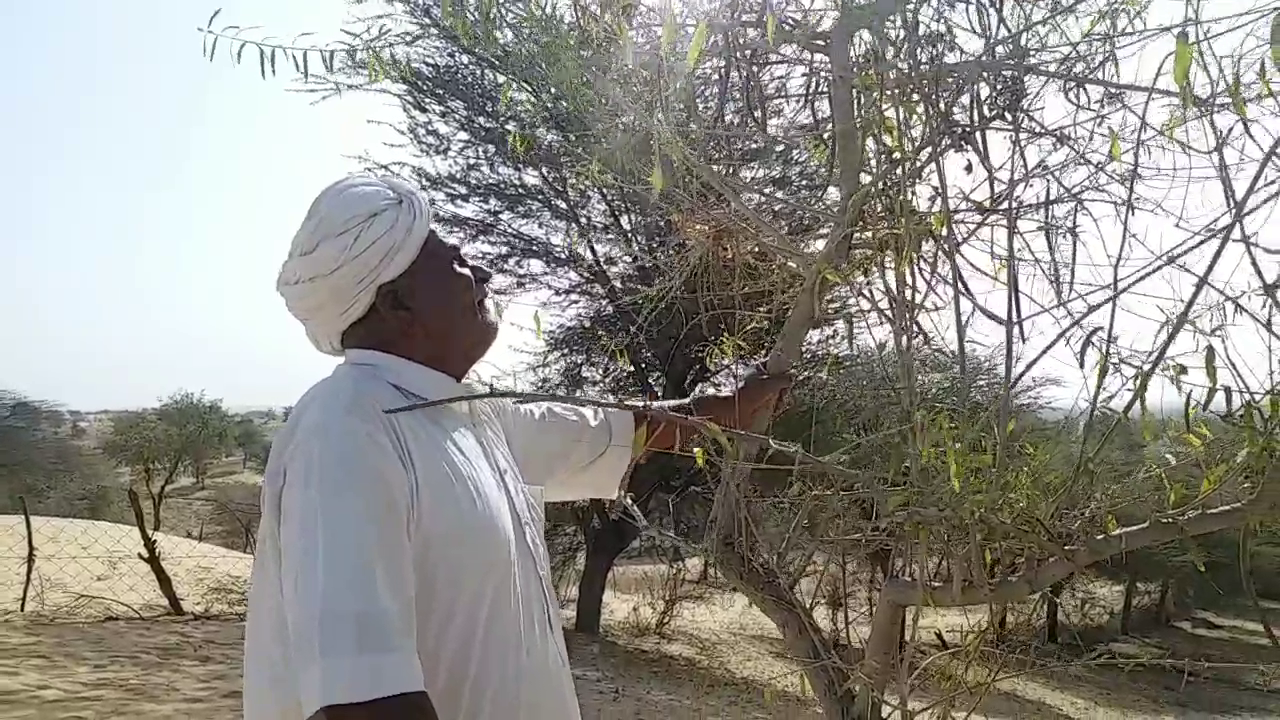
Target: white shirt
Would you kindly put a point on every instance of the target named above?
(402, 553)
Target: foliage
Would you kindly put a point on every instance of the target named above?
(802, 159)
(41, 461)
(252, 442)
(184, 434)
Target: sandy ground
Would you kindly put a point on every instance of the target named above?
(91, 569)
(720, 658)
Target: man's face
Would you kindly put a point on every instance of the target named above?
(449, 298)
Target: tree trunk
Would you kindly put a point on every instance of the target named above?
(998, 619)
(1052, 607)
(605, 538)
(1246, 581)
(1166, 586)
(880, 659)
(834, 684)
(1126, 610)
(152, 556)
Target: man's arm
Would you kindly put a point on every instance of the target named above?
(581, 453)
(571, 452)
(410, 706)
(347, 572)
(757, 393)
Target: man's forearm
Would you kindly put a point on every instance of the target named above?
(409, 706)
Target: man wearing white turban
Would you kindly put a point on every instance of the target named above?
(401, 571)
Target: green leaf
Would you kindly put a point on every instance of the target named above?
(891, 131)
(1112, 525)
(1275, 41)
(240, 51)
(716, 434)
(1115, 146)
(771, 28)
(262, 62)
(640, 441)
(669, 30)
(537, 324)
(700, 456)
(698, 44)
(1266, 81)
(657, 178)
(212, 17)
(1237, 98)
(504, 100)
(1211, 364)
(306, 67)
(1182, 58)
(940, 222)
(273, 62)
(213, 49)
(1210, 482)
(519, 143)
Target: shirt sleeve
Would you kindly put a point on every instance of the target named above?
(572, 453)
(346, 566)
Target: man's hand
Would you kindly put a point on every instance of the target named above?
(738, 411)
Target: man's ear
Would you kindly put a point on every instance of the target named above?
(390, 302)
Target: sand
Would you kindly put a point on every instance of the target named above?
(720, 658)
(191, 669)
(88, 569)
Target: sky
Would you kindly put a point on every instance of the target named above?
(151, 196)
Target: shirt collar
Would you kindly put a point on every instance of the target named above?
(430, 383)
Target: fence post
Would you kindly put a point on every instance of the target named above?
(31, 554)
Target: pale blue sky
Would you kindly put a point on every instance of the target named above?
(151, 197)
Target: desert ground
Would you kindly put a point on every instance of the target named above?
(91, 645)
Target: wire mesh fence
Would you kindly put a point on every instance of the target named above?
(56, 566)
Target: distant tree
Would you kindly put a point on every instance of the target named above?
(258, 461)
(185, 433)
(54, 474)
(201, 427)
(250, 439)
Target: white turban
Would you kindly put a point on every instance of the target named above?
(360, 233)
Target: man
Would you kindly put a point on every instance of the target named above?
(401, 572)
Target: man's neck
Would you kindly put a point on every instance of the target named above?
(452, 367)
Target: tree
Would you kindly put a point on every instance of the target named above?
(985, 177)
(251, 440)
(184, 433)
(642, 312)
(202, 428)
(41, 463)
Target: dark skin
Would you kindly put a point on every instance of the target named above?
(436, 314)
